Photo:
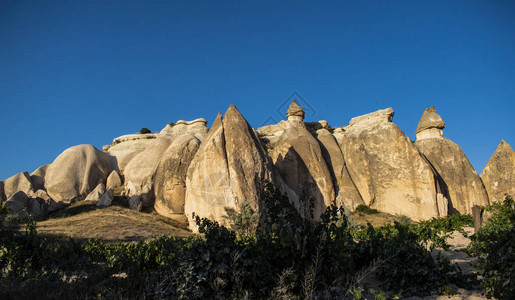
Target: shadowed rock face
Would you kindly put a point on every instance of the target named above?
(450, 162)
(229, 167)
(299, 161)
(38, 177)
(345, 190)
(170, 177)
(386, 168)
(499, 173)
(464, 185)
(77, 171)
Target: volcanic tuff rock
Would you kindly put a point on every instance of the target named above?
(113, 180)
(346, 192)
(170, 177)
(77, 171)
(17, 202)
(139, 171)
(38, 177)
(386, 168)
(463, 183)
(106, 199)
(196, 128)
(499, 173)
(298, 158)
(97, 193)
(126, 147)
(431, 124)
(18, 182)
(230, 166)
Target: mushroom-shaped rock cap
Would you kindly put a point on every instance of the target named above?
(430, 119)
(295, 110)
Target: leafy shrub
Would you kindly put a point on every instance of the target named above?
(144, 130)
(244, 221)
(496, 241)
(365, 209)
(282, 256)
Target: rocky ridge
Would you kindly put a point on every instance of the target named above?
(187, 168)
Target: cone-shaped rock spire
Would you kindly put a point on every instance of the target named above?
(430, 124)
(295, 112)
(499, 173)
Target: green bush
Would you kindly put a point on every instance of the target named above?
(144, 130)
(365, 209)
(282, 256)
(495, 243)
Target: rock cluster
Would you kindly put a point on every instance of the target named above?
(186, 169)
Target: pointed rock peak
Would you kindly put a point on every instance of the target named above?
(295, 112)
(430, 119)
(503, 146)
(232, 112)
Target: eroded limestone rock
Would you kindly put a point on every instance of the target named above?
(499, 173)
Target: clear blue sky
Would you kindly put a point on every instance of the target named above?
(85, 72)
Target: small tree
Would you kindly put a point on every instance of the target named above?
(145, 130)
(245, 221)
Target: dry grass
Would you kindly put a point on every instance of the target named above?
(83, 220)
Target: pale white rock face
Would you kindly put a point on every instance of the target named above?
(97, 193)
(77, 171)
(140, 170)
(196, 128)
(464, 188)
(106, 199)
(38, 177)
(298, 158)
(429, 134)
(16, 183)
(386, 168)
(499, 173)
(125, 147)
(170, 177)
(113, 180)
(229, 167)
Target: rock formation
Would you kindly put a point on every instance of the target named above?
(197, 128)
(186, 169)
(38, 178)
(113, 180)
(464, 186)
(386, 168)
(499, 173)
(77, 171)
(346, 192)
(140, 170)
(170, 176)
(126, 147)
(229, 167)
(16, 183)
(298, 158)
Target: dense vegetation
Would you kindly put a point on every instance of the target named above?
(277, 255)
